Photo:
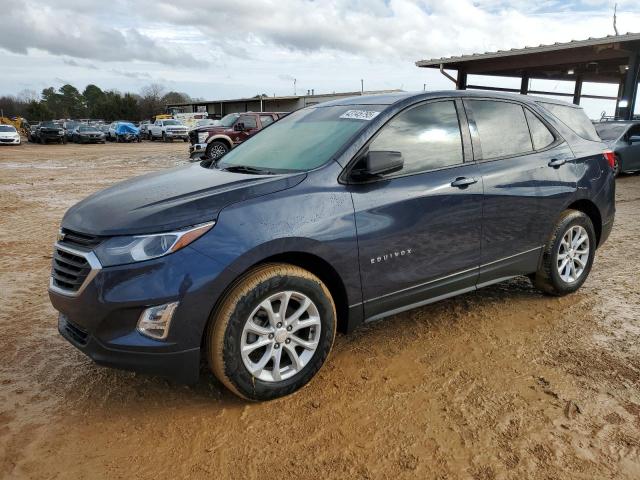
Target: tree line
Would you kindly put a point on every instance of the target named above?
(93, 102)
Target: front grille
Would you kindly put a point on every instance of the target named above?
(69, 271)
(73, 331)
(79, 239)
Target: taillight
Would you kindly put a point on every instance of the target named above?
(611, 157)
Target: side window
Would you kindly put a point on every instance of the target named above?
(266, 120)
(540, 134)
(502, 128)
(428, 136)
(249, 121)
(574, 118)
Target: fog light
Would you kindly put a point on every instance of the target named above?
(155, 321)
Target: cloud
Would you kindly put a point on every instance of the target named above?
(385, 30)
(35, 25)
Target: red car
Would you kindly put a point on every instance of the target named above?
(213, 141)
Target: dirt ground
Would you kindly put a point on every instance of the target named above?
(501, 383)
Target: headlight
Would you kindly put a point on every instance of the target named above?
(137, 248)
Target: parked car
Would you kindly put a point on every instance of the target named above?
(123, 132)
(104, 128)
(69, 127)
(51, 132)
(9, 135)
(623, 137)
(87, 134)
(32, 132)
(144, 129)
(168, 130)
(339, 214)
(214, 141)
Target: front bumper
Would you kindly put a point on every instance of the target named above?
(180, 135)
(101, 320)
(197, 151)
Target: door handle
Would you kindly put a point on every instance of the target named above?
(464, 182)
(557, 162)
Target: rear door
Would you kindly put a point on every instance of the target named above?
(528, 176)
(419, 228)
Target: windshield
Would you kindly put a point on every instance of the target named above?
(172, 122)
(303, 140)
(610, 131)
(87, 129)
(7, 128)
(228, 120)
(50, 124)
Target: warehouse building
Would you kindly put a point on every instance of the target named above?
(219, 108)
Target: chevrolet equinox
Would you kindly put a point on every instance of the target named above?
(338, 214)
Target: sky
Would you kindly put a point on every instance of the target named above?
(229, 49)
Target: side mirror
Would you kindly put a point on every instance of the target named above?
(239, 127)
(382, 162)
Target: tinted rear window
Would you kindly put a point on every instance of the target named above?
(574, 118)
(502, 128)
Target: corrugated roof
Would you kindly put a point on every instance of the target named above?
(591, 41)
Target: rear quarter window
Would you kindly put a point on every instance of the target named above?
(574, 118)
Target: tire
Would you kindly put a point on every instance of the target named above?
(616, 166)
(220, 148)
(41, 140)
(548, 278)
(164, 137)
(226, 332)
(185, 140)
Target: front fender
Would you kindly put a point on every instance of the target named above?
(220, 136)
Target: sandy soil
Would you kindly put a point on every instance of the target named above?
(502, 383)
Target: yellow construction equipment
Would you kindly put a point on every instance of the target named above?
(19, 123)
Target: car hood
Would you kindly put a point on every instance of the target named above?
(214, 129)
(169, 200)
(8, 134)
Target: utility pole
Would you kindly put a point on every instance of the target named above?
(361, 86)
(294, 87)
(615, 26)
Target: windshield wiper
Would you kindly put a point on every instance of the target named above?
(248, 169)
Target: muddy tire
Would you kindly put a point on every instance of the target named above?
(568, 255)
(285, 309)
(216, 149)
(616, 166)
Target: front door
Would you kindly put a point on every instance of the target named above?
(419, 228)
(630, 152)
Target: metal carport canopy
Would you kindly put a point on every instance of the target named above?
(612, 59)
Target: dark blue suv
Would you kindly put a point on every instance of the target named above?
(338, 214)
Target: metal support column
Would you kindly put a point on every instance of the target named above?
(524, 84)
(630, 89)
(461, 83)
(577, 91)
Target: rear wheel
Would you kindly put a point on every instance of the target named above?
(568, 255)
(616, 165)
(216, 149)
(272, 332)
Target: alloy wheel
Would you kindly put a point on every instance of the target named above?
(280, 336)
(573, 254)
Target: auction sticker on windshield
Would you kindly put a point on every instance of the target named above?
(360, 114)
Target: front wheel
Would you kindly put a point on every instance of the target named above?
(216, 150)
(568, 255)
(272, 332)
